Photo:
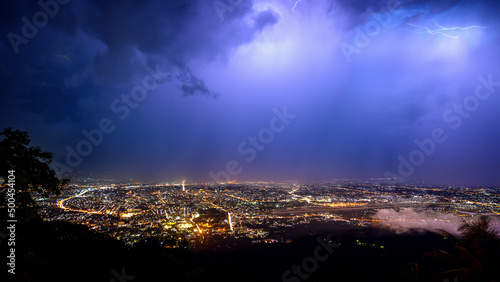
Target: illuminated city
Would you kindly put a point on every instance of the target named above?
(249, 140)
(195, 213)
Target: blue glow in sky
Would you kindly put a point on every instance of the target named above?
(173, 90)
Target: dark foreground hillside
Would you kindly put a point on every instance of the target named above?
(60, 251)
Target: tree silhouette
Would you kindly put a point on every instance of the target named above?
(31, 169)
(476, 255)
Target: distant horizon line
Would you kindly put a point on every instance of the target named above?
(357, 180)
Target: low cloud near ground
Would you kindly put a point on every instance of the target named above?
(406, 219)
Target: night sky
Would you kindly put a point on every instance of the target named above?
(257, 90)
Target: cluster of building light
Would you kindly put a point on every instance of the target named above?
(194, 211)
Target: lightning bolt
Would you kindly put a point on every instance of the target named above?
(295, 6)
(441, 29)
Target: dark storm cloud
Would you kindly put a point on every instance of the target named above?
(192, 85)
(353, 119)
(47, 77)
(176, 31)
(105, 44)
(265, 18)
